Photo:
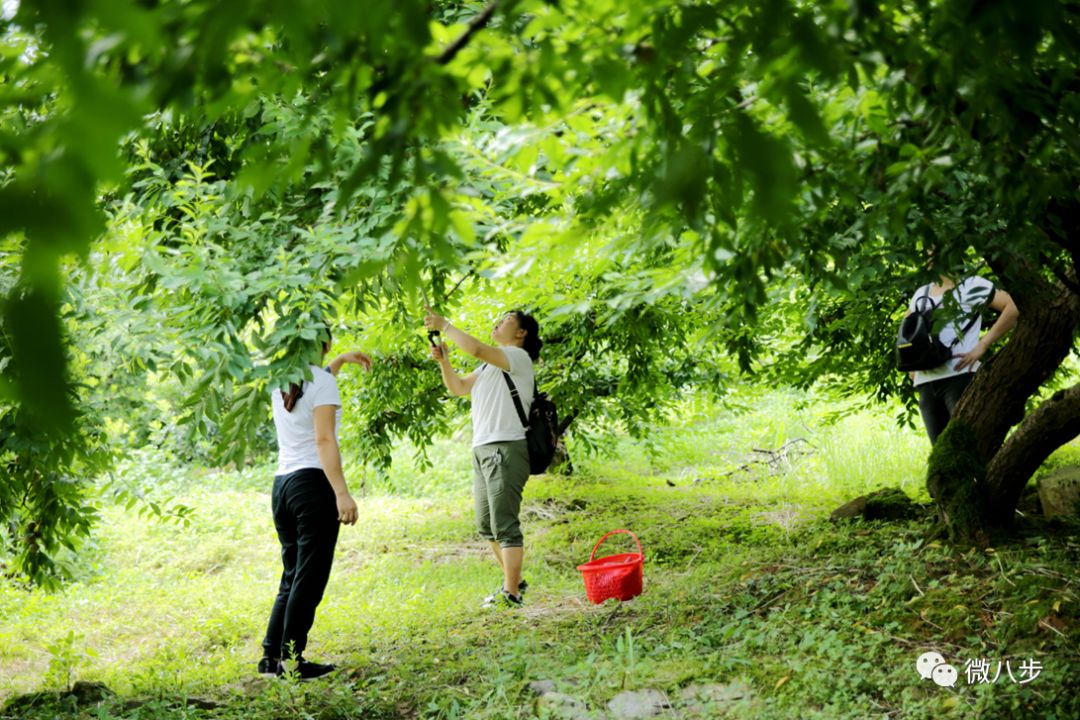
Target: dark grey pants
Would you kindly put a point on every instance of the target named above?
(306, 518)
(937, 400)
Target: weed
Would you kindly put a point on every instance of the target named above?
(65, 656)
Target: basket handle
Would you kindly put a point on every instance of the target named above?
(615, 532)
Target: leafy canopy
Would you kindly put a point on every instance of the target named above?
(209, 184)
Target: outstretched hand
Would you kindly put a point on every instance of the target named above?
(361, 359)
(434, 321)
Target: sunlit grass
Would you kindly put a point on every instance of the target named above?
(158, 593)
(161, 609)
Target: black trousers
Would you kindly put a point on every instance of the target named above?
(306, 518)
(937, 400)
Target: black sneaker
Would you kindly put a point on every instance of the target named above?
(302, 669)
(522, 587)
(269, 666)
(505, 601)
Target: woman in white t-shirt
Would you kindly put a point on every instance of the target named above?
(310, 499)
(500, 454)
(940, 388)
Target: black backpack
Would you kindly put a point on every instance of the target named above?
(541, 427)
(918, 347)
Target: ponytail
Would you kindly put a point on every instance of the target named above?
(296, 390)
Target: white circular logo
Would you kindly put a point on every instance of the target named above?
(927, 662)
(945, 675)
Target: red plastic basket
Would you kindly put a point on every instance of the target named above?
(614, 576)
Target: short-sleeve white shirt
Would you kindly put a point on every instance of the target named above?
(296, 429)
(494, 417)
(972, 294)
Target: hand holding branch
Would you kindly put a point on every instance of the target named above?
(354, 356)
(440, 352)
(434, 321)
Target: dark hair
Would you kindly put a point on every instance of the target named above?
(296, 390)
(528, 323)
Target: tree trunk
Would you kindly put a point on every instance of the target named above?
(562, 464)
(974, 476)
(953, 475)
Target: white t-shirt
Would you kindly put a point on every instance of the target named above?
(494, 418)
(296, 429)
(972, 294)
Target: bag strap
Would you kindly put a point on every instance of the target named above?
(964, 330)
(925, 297)
(971, 320)
(933, 306)
(517, 400)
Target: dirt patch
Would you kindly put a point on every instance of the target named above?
(550, 510)
(453, 553)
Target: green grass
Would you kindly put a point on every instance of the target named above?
(746, 579)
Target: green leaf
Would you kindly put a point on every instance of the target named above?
(769, 162)
(39, 360)
(805, 116)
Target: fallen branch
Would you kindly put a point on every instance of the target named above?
(774, 458)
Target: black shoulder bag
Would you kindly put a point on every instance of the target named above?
(918, 347)
(541, 426)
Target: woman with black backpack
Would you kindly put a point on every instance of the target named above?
(940, 387)
(500, 452)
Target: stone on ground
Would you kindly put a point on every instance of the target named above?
(635, 704)
(559, 706)
(714, 700)
(887, 504)
(1059, 492)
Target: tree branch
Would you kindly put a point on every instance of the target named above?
(478, 23)
(1043, 337)
(1064, 279)
(1051, 425)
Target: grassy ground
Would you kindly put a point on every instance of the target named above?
(746, 581)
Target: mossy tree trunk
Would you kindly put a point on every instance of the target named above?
(977, 470)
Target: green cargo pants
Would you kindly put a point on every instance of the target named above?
(500, 472)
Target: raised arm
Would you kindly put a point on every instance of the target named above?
(490, 354)
(1007, 318)
(350, 357)
(456, 384)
